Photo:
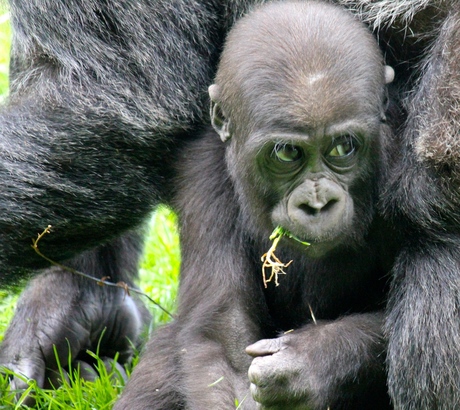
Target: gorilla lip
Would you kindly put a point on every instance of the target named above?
(280, 231)
(270, 260)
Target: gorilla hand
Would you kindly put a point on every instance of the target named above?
(319, 365)
(62, 312)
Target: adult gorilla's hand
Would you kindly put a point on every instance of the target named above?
(62, 312)
(318, 365)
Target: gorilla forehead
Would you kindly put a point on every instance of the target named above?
(307, 61)
(310, 102)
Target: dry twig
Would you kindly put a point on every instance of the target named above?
(101, 282)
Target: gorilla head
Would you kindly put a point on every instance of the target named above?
(303, 112)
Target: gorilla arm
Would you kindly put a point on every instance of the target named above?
(66, 174)
(321, 365)
(94, 102)
(423, 322)
(220, 299)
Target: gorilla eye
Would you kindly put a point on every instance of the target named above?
(343, 147)
(286, 152)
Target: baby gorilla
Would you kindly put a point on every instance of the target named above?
(299, 102)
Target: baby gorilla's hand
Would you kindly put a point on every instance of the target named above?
(317, 366)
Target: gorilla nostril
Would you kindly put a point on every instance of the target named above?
(309, 210)
(330, 204)
(315, 208)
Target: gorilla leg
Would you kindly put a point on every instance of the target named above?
(156, 379)
(423, 370)
(61, 309)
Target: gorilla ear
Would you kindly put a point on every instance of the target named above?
(218, 119)
(389, 74)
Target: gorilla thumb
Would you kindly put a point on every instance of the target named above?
(264, 347)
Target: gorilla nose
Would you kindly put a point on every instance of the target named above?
(314, 201)
(314, 207)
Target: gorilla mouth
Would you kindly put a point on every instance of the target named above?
(280, 231)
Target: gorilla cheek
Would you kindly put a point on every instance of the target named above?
(318, 211)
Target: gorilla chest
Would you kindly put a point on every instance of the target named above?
(324, 291)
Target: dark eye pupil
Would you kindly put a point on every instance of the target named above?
(343, 146)
(286, 152)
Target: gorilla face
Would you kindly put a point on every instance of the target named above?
(305, 125)
(311, 180)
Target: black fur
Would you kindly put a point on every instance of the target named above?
(91, 127)
(103, 93)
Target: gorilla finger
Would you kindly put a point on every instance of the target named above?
(266, 397)
(55, 379)
(87, 372)
(24, 370)
(19, 382)
(90, 373)
(261, 371)
(264, 347)
(115, 369)
(255, 392)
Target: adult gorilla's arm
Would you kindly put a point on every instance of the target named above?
(98, 94)
(423, 322)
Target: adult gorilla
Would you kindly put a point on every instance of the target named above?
(104, 92)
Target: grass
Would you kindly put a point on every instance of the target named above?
(74, 393)
(159, 270)
(5, 35)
